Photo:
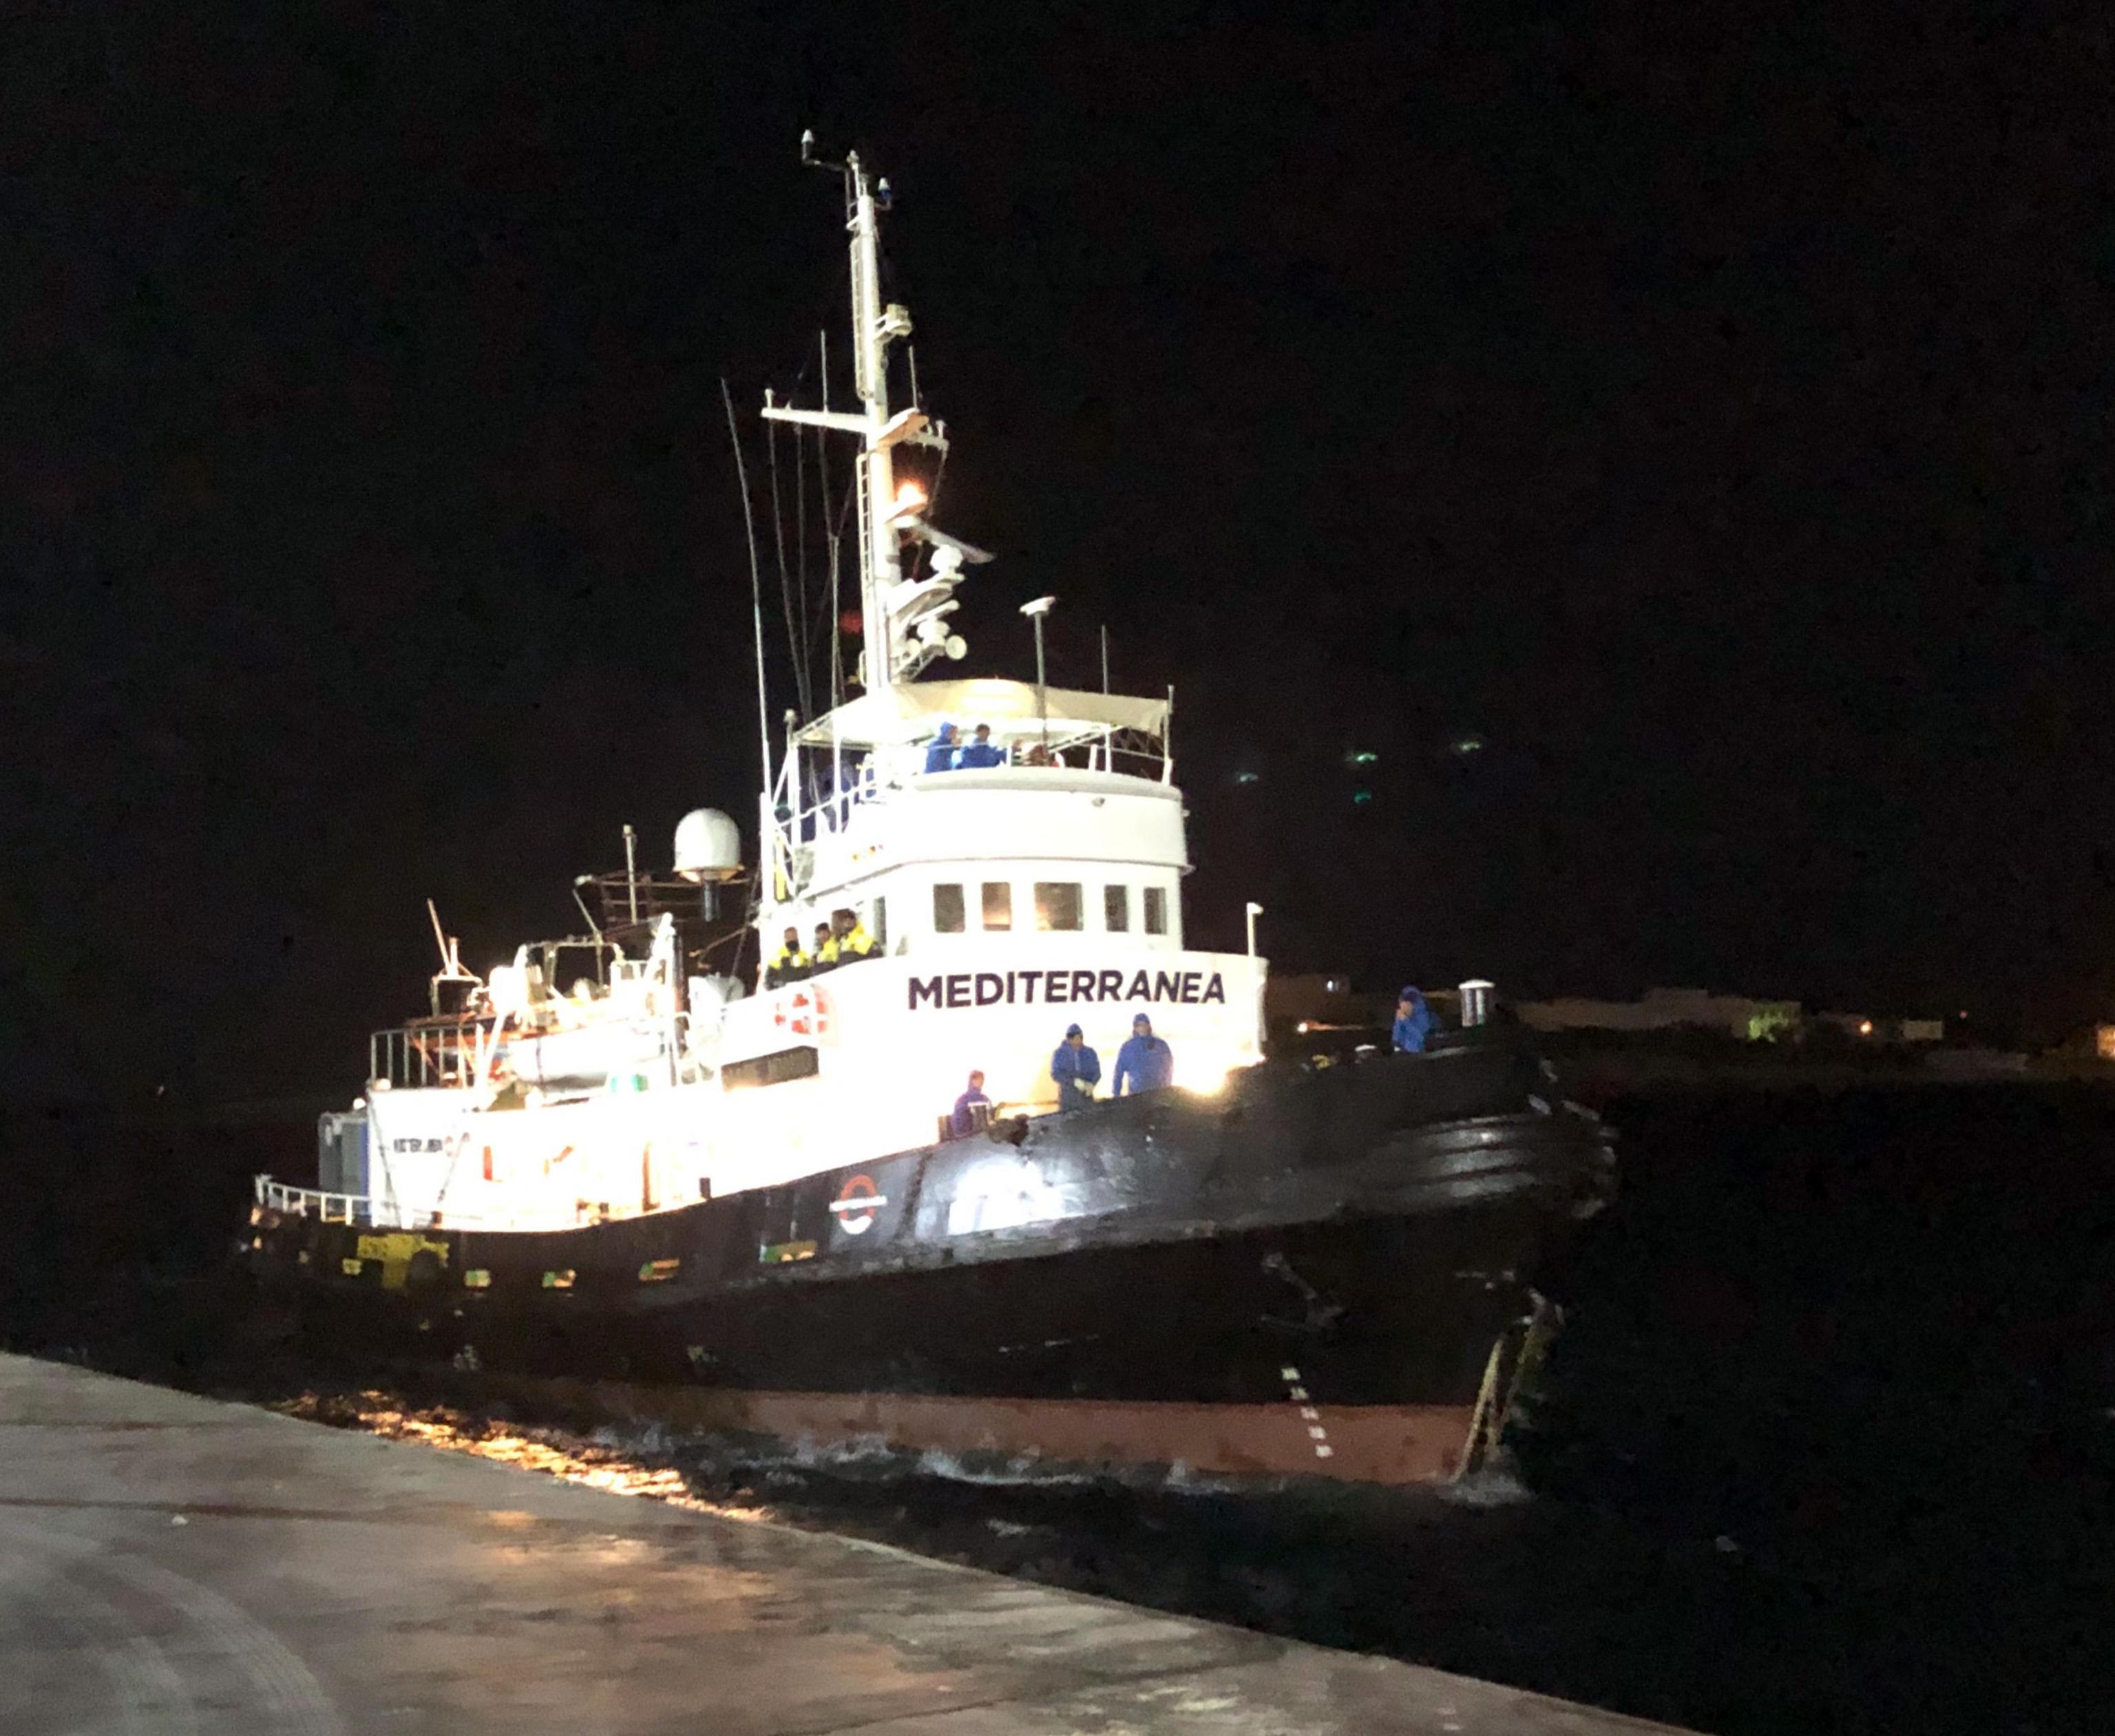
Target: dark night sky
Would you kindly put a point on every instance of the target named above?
(1707, 409)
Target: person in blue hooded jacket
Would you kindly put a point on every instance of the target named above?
(940, 751)
(980, 753)
(1413, 1023)
(1077, 1069)
(1144, 1062)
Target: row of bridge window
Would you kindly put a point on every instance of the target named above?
(1060, 907)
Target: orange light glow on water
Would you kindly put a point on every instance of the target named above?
(553, 1452)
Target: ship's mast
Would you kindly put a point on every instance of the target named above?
(903, 626)
(880, 567)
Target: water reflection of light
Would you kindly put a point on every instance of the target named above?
(552, 1452)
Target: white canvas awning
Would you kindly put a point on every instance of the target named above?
(913, 712)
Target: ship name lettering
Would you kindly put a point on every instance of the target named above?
(1017, 988)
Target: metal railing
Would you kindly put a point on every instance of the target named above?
(359, 1209)
(798, 821)
(332, 1208)
(862, 776)
(428, 1056)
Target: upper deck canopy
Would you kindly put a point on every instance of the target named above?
(912, 711)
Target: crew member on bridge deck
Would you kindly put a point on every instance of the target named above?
(789, 964)
(825, 955)
(1145, 1062)
(940, 752)
(982, 752)
(966, 1121)
(1076, 1068)
(849, 939)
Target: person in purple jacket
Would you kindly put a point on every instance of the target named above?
(963, 1122)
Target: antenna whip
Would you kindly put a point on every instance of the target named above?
(756, 583)
(795, 642)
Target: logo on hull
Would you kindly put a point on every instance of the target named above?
(856, 1205)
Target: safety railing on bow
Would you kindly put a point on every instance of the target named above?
(360, 1209)
(332, 1208)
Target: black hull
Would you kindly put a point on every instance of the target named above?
(1374, 1227)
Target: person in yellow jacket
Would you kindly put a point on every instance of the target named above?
(789, 964)
(851, 938)
(825, 951)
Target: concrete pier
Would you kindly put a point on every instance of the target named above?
(171, 1565)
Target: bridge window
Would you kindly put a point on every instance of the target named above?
(1116, 909)
(1156, 909)
(948, 909)
(879, 926)
(998, 903)
(1057, 906)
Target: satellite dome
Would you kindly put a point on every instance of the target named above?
(708, 845)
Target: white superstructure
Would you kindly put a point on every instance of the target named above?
(1005, 902)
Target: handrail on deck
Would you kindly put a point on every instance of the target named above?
(332, 1208)
(359, 1209)
(796, 820)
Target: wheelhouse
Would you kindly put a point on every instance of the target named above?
(1076, 831)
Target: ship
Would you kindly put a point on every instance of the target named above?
(673, 1163)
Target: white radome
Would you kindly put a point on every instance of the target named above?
(708, 845)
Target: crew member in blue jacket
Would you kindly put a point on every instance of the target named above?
(1145, 1061)
(1413, 1023)
(940, 751)
(963, 1122)
(982, 752)
(1077, 1069)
